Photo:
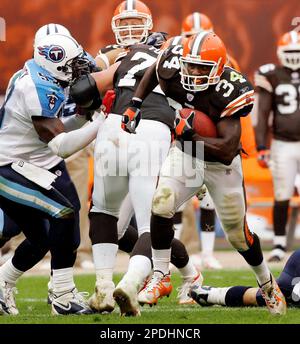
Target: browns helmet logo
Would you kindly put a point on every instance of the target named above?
(53, 53)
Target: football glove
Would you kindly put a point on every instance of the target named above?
(263, 157)
(108, 101)
(132, 116)
(183, 125)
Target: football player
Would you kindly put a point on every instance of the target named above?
(131, 24)
(136, 17)
(35, 189)
(278, 90)
(196, 77)
(8, 229)
(110, 190)
(239, 296)
(192, 24)
(196, 23)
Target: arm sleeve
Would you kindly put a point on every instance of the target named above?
(73, 122)
(66, 144)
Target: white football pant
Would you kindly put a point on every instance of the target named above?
(224, 183)
(128, 163)
(284, 165)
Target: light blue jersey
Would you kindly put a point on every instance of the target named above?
(31, 92)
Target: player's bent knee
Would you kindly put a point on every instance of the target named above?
(164, 203)
(237, 238)
(232, 210)
(232, 216)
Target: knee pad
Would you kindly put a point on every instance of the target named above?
(103, 228)
(164, 202)
(232, 217)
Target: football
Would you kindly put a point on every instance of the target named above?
(202, 124)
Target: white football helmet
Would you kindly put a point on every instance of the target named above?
(50, 29)
(58, 54)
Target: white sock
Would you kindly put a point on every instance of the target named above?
(207, 242)
(161, 260)
(217, 296)
(280, 240)
(104, 256)
(188, 271)
(50, 283)
(62, 280)
(139, 269)
(262, 273)
(296, 292)
(178, 230)
(9, 273)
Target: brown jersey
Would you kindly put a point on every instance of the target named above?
(127, 78)
(284, 86)
(232, 96)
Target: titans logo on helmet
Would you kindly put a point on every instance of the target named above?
(54, 53)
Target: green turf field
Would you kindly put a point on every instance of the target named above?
(31, 301)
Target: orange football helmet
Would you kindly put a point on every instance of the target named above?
(202, 62)
(128, 34)
(288, 50)
(195, 23)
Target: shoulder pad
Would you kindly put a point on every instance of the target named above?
(50, 93)
(51, 99)
(234, 94)
(266, 68)
(263, 76)
(171, 42)
(168, 64)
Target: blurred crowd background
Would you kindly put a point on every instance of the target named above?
(249, 28)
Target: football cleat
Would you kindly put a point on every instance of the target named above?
(7, 299)
(200, 295)
(102, 300)
(156, 288)
(210, 262)
(71, 302)
(125, 296)
(183, 291)
(277, 254)
(275, 300)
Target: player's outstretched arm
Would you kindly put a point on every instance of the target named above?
(63, 144)
(105, 79)
(88, 89)
(225, 147)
